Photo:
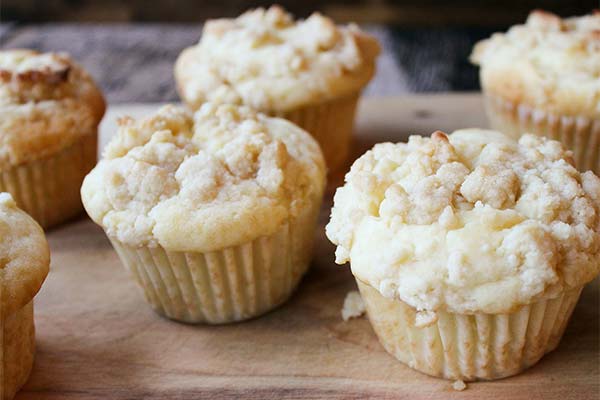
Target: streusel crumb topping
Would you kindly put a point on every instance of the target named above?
(267, 60)
(220, 177)
(548, 62)
(47, 101)
(473, 221)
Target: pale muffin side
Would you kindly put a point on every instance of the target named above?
(24, 261)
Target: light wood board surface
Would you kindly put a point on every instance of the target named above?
(98, 339)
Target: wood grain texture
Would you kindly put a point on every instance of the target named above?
(98, 339)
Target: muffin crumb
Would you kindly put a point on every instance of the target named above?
(459, 385)
(353, 306)
(425, 318)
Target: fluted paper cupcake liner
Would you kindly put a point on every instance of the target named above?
(474, 346)
(579, 134)
(18, 348)
(232, 284)
(331, 124)
(48, 188)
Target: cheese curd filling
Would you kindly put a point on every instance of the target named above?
(469, 222)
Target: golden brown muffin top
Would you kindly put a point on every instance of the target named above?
(548, 62)
(24, 256)
(47, 101)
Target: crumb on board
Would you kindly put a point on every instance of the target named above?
(353, 306)
(424, 319)
(459, 385)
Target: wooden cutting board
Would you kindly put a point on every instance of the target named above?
(98, 339)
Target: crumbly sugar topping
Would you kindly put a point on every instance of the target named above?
(470, 222)
(217, 178)
(547, 62)
(46, 102)
(354, 306)
(267, 60)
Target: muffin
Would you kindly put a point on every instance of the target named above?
(213, 213)
(49, 114)
(310, 72)
(542, 78)
(470, 250)
(24, 259)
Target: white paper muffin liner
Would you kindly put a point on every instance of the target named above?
(474, 346)
(18, 348)
(48, 188)
(232, 284)
(331, 123)
(577, 133)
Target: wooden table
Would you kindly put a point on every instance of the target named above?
(98, 339)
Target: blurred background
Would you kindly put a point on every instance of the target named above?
(130, 46)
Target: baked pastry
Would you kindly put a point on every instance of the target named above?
(542, 78)
(310, 72)
(470, 250)
(49, 114)
(24, 260)
(214, 214)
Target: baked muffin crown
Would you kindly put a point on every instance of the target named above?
(24, 256)
(46, 102)
(548, 62)
(470, 222)
(267, 60)
(218, 178)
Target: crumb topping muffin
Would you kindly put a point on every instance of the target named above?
(213, 213)
(24, 256)
(270, 62)
(548, 62)
(47, 102)
(470, 222)
(220, 177)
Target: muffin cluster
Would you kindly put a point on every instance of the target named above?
(470, 250)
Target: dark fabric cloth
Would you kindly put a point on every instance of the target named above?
(438, 59)
(134, 62)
